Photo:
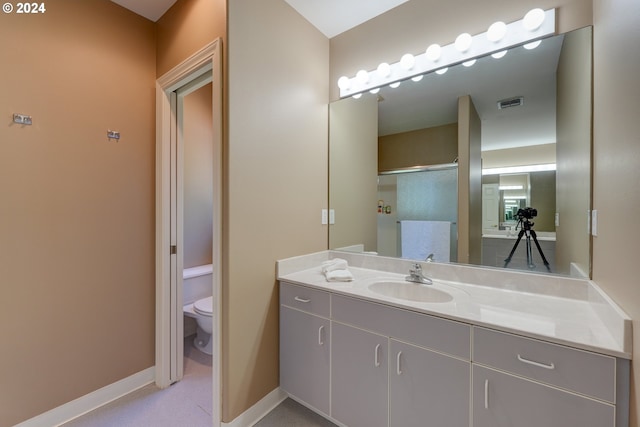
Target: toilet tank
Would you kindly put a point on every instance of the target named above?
(197, 283)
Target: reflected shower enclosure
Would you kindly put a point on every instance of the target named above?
(421, 202)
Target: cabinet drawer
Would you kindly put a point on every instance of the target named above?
(303, 298)
(431, 332)
(581, 371)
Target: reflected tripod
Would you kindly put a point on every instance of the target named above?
(526, 231)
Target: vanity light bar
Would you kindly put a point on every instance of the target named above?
(463, 50)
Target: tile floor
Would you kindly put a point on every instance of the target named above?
(187, 403)
(291, 414)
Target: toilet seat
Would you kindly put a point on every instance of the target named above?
(204, 306)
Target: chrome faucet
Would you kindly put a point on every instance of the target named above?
(416, 276)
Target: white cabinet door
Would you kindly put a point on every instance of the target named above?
(359, 377)
(305, 350)
(504, 400)
(427, 388)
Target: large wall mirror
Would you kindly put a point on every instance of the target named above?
(395, 180)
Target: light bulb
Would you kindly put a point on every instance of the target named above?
(417, 78)
(533, 19)
(374, 91)
(499, 55)
(384, 70)
(362, 76)
(441, 71)
(469, 63)
(433, 52)
(532, 45)
(497, 31)
(407, 61)
(357, 96)
(463, 42)
(344, 83)
(394, 85)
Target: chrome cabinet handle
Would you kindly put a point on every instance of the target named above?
(302, 299)
(320, 342)
(486, 394)
(398, 370)
(538, 364)
(376, 359)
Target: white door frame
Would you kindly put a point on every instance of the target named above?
(209, 58)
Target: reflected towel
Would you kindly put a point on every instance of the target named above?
(339, 276)
(421, 238)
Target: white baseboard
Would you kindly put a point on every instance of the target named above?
(91, 401)
(259, 410)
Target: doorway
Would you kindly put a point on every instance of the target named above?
(192, 179)
(200, 69)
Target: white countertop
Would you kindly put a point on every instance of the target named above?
(567, 311)
(513, 235)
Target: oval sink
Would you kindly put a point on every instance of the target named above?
(410, 291)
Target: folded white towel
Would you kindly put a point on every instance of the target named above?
(334, 264)
(338, 276)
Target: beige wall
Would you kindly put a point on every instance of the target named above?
(616, 171)
(277, 181)
(431, 146)
(185, 28)
(353, 168)
(77, 254)
(543, 198)
(198, 177)
(469, 183)
(573, 156)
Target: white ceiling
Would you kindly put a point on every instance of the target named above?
(331, 17)
(150, 9)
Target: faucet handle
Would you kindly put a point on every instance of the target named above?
(417, 268)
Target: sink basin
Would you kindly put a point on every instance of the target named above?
(410, 291)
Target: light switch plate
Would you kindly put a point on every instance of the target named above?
(325, 217)
(594, 222)
(332, 216)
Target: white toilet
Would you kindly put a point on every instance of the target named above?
(202, 311)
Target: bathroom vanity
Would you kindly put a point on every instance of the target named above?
(481, 347)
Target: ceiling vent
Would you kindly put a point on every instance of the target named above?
(511, 102)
